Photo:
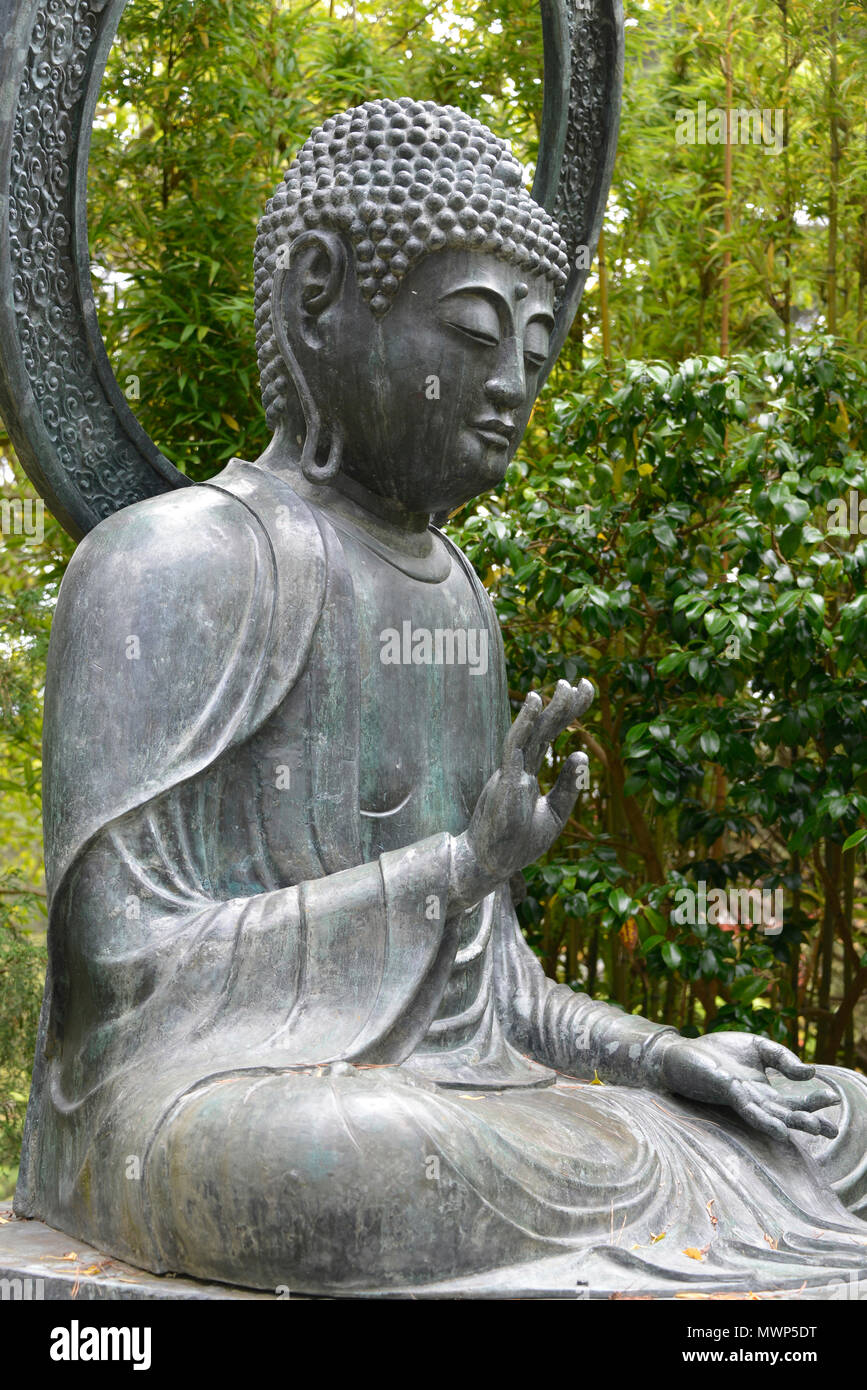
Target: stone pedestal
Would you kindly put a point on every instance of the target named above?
(38, 1263)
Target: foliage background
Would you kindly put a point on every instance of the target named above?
(664, 529)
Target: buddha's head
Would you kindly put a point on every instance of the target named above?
(405, 293)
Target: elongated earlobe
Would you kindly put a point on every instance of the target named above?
(325, 274)
(322, 472)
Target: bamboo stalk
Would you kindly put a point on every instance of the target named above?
(727, 184)
(834, 133)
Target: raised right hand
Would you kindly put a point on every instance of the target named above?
(514, 822)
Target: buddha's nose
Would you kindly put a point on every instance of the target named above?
(508, 384)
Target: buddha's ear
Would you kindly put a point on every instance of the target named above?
(308, 281)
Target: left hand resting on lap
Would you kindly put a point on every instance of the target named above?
(730, 1069)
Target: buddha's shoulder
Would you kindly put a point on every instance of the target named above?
(197, 534)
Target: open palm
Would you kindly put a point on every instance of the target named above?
(731, 1069)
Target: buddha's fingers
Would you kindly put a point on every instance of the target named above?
(522, 727)
(556, 717)
(818, 1097)
(811, 1124)
(773, 1054)
(757, 1116)
(564, 793)
(779, 1108)
(585, 696)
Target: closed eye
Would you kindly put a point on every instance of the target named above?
(473, 316)
(474, 333)
(537, 343)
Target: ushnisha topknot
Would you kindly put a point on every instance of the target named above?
(400, 179)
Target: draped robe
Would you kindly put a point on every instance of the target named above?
(271, 1052)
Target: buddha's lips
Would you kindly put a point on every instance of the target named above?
(496, 431)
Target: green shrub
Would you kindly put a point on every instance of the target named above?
(22, 973)
(668, 532)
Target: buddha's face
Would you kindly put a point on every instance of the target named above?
(433, 397)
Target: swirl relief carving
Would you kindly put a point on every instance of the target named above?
(90, 445)
(589, 127)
